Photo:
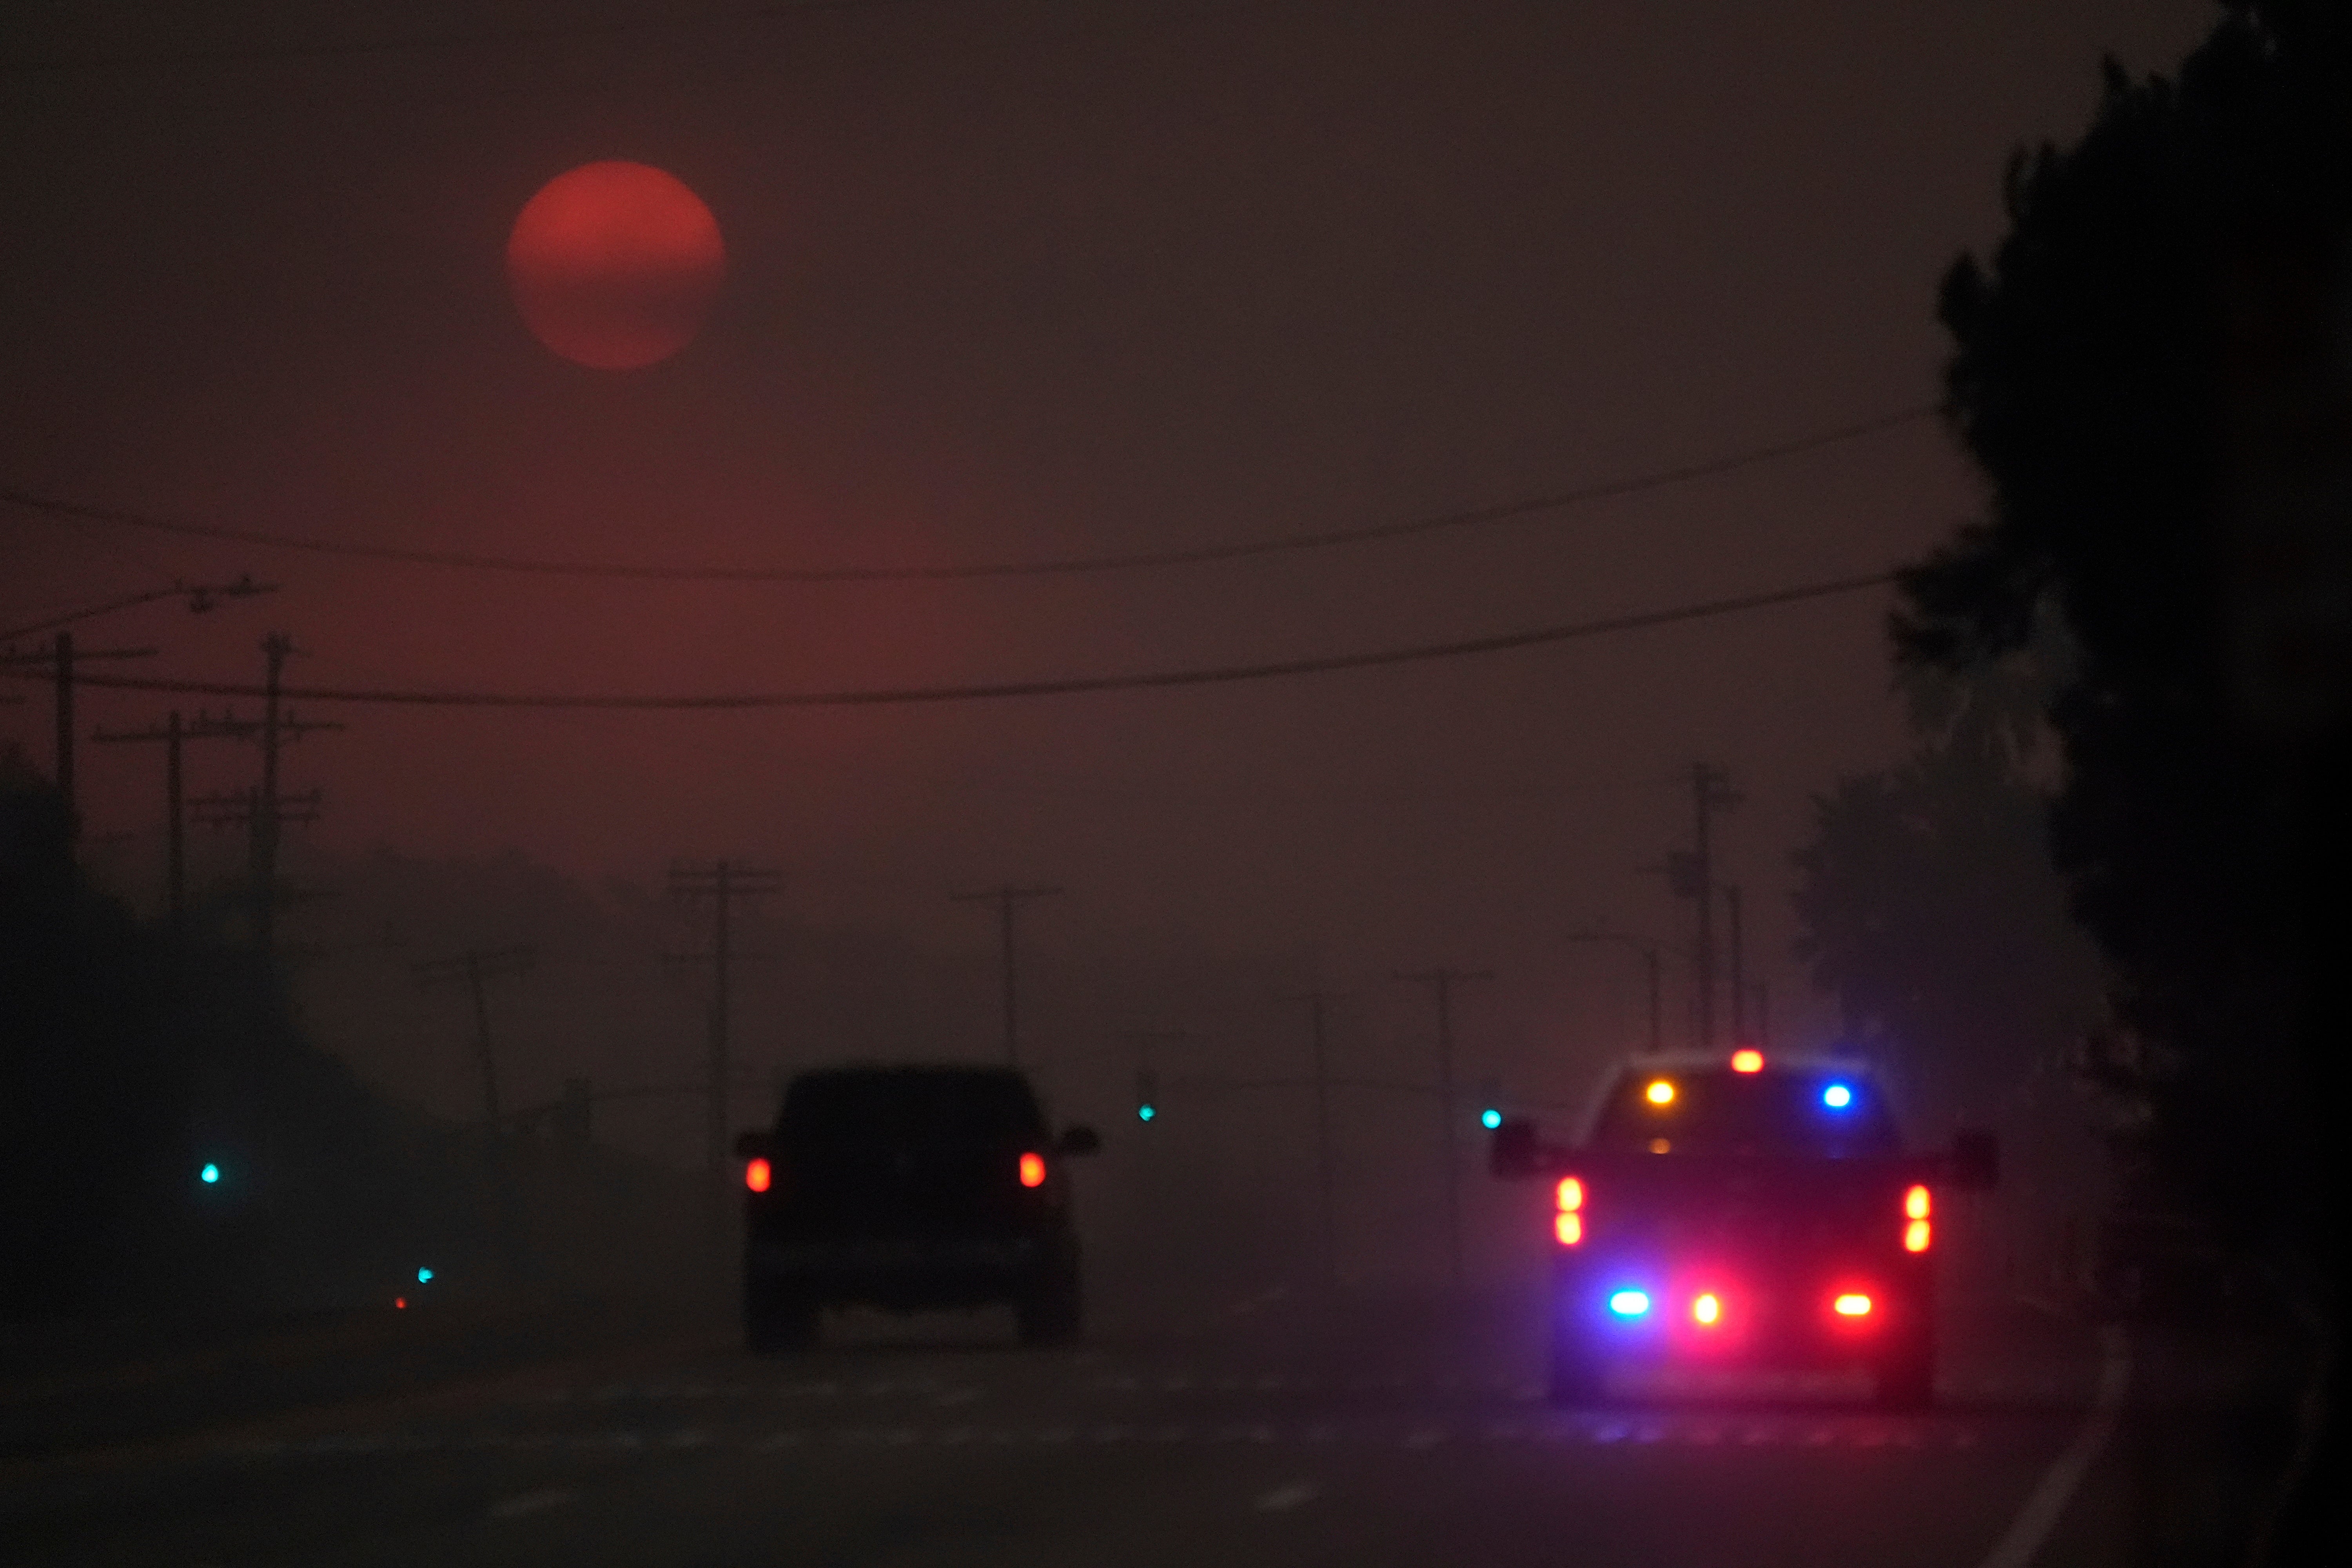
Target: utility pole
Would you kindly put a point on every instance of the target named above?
(1710, 792)
(174, 734)
(264, 810)
(476, 966)
(63, 657)
(1738, 966)
(1442, 982)
(1326, 1206)
(1005, 898)
(1147, 1084)
(722, 883)
(1652, 962)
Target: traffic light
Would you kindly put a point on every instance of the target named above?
(210, 1176)
(1147, 1095)
(1490, 1097)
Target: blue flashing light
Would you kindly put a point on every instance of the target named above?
(1490, 1119)
(1630, 1303)
(1146, 1112)
(209, 1175)
(425, 1276)
(1837, 1096)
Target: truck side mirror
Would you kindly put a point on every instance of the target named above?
(1079, 1140)
(754, 1145)
(1976, 1162)
(1516, 1152)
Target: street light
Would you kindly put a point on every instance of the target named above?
(1650, 955)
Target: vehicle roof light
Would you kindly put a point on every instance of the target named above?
(1033, 1170)
(1748, 1059)
(1660, 1092)
(1630, 1303)
(1837, 1096)
(1852, 1304)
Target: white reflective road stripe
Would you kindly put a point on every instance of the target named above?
(2040, 1515)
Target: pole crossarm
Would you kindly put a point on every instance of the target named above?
(239, 809)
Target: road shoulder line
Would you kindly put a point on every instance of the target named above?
(2031, 1527)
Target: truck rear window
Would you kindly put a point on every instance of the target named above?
(916, 1105)
(1815, 1114)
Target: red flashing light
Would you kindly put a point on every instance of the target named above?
(1916, 1202)
(1033, 1170)
(1570, 1194)
(1568, 1229)
(1748, 1059)
(400, 1303)
(1706, 1309)
(759, 1175)
(1852, 1304)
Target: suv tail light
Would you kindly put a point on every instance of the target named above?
(1916, 1232)
(1569, 1226)
(1033, 1170)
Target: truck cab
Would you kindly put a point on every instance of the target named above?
(909, 1188)
(1730, 1209)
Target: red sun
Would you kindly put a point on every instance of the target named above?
(614, 265)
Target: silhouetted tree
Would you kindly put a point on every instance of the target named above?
(1927, 905)
(128, 1059)
(2088, 385)
(2098, 377)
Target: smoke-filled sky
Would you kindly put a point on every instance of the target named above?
(1019, 281)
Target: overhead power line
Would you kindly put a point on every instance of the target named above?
(893, 696)
(435, 43)
(1196, 555)
(496, 37)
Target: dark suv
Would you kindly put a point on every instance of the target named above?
(909, 1188)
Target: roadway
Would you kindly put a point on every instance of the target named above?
(1267, 1428)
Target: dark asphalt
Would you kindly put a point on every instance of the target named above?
(1270, 1429)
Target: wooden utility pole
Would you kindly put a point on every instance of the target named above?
(264, 810)
(63, 657)
(1326, 1203)
(174, 734)
(476, 966)
(1738, 966)
(1442, 981)
(1652, 962)
(722, 883)
(1005, 899)
(1711, 791)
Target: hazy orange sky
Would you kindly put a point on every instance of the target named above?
(1021, 280)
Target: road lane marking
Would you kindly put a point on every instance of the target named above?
(2040, 1515)
(1283, 1499)
(533, 1502)
(1589, 1430)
